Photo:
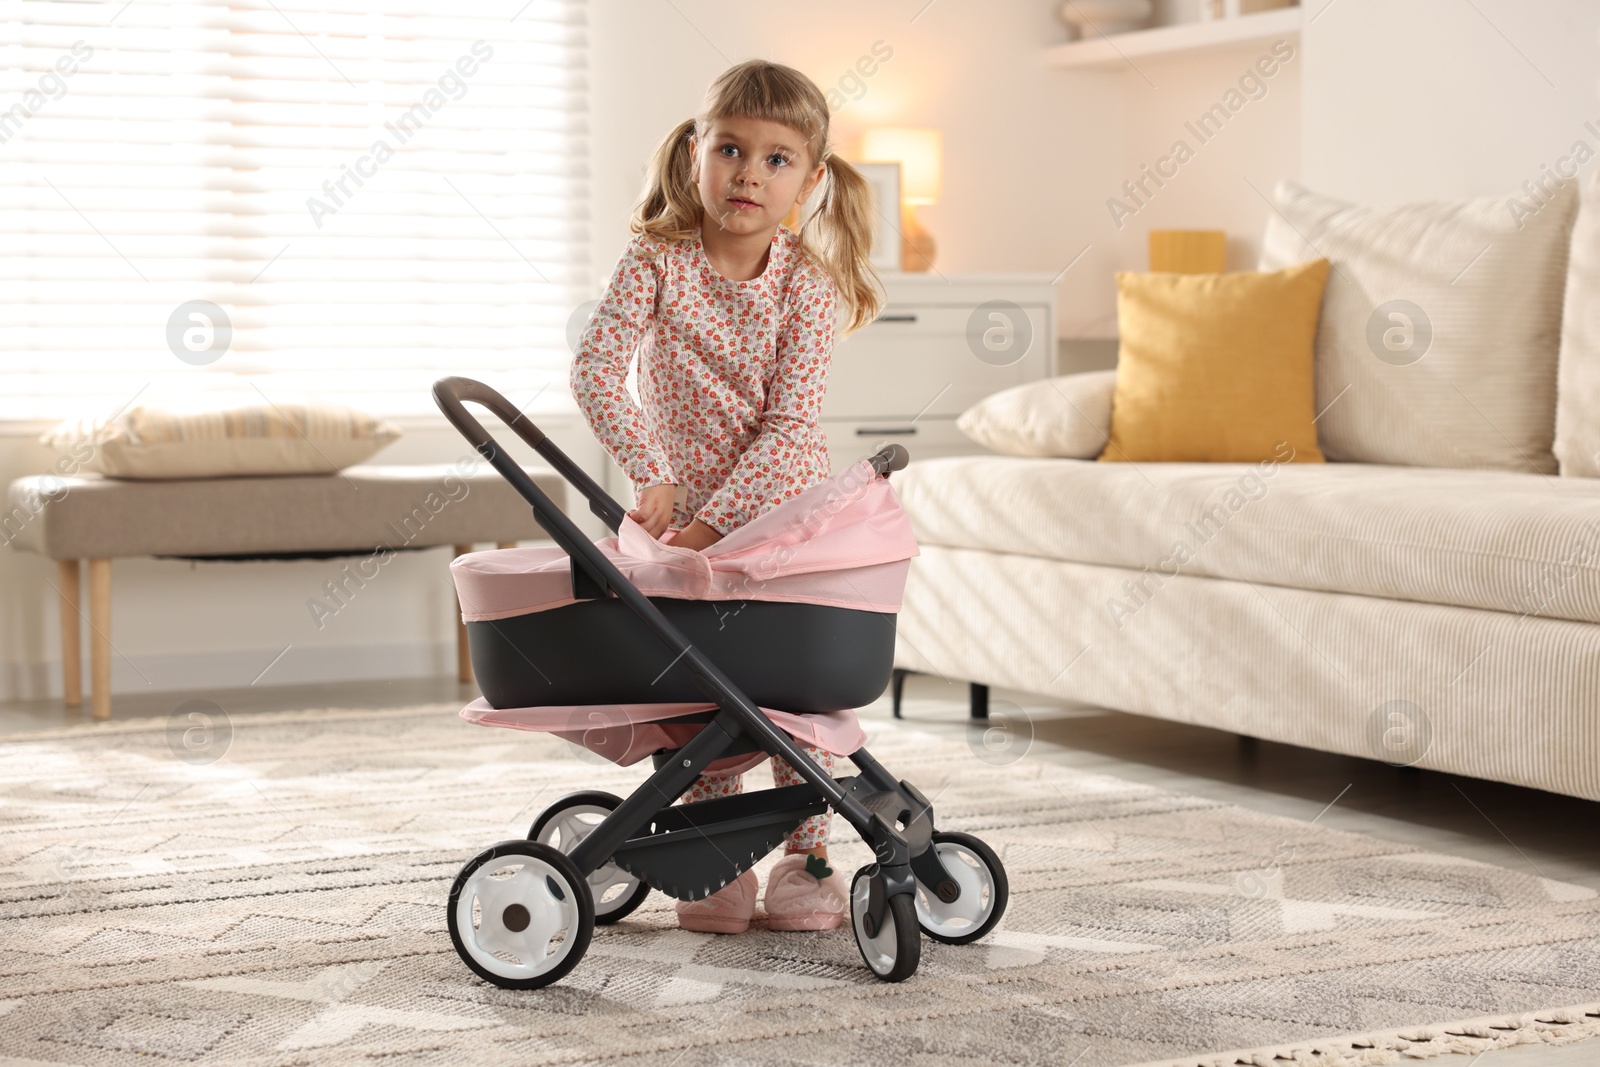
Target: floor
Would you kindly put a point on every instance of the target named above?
(1525, 829)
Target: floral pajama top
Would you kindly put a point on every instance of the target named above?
(731, 376)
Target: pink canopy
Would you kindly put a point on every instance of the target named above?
(844, 543)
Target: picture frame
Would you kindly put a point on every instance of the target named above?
(884, 181)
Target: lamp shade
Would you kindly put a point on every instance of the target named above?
(919, 151)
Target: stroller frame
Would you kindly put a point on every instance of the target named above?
(664, 843)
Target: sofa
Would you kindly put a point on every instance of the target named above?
(1429, 596)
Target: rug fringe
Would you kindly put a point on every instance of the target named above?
(1554, 1026)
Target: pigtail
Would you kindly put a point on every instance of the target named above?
(838, 235)
(669, 206)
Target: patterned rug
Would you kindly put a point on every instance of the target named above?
(273, 892)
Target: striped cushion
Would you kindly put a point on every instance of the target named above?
(207, 437)
(1440, 326)
(1479, 539)
(1578, 412)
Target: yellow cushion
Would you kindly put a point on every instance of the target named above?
(1216, 368)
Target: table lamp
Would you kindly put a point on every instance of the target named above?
(919, 151)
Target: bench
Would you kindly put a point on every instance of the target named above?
(360, 511)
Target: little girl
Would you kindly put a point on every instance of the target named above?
(732, 316)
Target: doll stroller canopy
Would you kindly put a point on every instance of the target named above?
(844, 543)
(704, 661)
(797, 605)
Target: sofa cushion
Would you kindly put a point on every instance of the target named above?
(1067, 416)
(1578, 405)
(203, 436)
(1478, 539)
(1216, 368)
(1440, 326)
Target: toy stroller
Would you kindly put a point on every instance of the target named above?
(798, 606)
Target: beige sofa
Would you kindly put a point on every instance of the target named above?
(1446, 617)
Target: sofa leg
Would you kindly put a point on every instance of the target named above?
(980, 701)
(463, 652)
(71, 638)
(897, 688)
(100, 638)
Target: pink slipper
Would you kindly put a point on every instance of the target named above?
(804, 893)
(727, 911)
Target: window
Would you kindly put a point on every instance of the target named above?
(373, 195)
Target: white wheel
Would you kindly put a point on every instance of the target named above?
(977, 872)
(519, 915)
(562, 825)
(893, 951)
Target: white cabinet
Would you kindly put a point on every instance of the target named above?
(942, 343)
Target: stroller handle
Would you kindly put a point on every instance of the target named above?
(452, 394)
(890, 458)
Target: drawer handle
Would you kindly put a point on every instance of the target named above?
(902, 317)
(891, 431)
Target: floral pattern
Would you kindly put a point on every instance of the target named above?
(731, 376)
(810, 833)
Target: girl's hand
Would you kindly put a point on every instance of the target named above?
(697, 535)
(655, 508)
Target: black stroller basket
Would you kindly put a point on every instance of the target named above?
(521, 914)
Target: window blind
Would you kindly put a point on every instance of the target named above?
(372, 194)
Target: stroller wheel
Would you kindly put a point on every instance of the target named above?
(519, 915)
(892, 952)
(569, 820)
(984, 891)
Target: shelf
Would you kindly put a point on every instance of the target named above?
(1126, 49)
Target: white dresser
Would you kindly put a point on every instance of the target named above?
(942, 343)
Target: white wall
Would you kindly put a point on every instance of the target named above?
(1221, 185)
(1441, 99)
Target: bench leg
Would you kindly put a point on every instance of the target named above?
(100, 637)
(463, 653)
(71, 639)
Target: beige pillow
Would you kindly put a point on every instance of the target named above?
(1068, 417)
(1440, 326)
(1578, 403)
(206, 437)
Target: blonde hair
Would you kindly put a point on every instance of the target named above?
(838, 235)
